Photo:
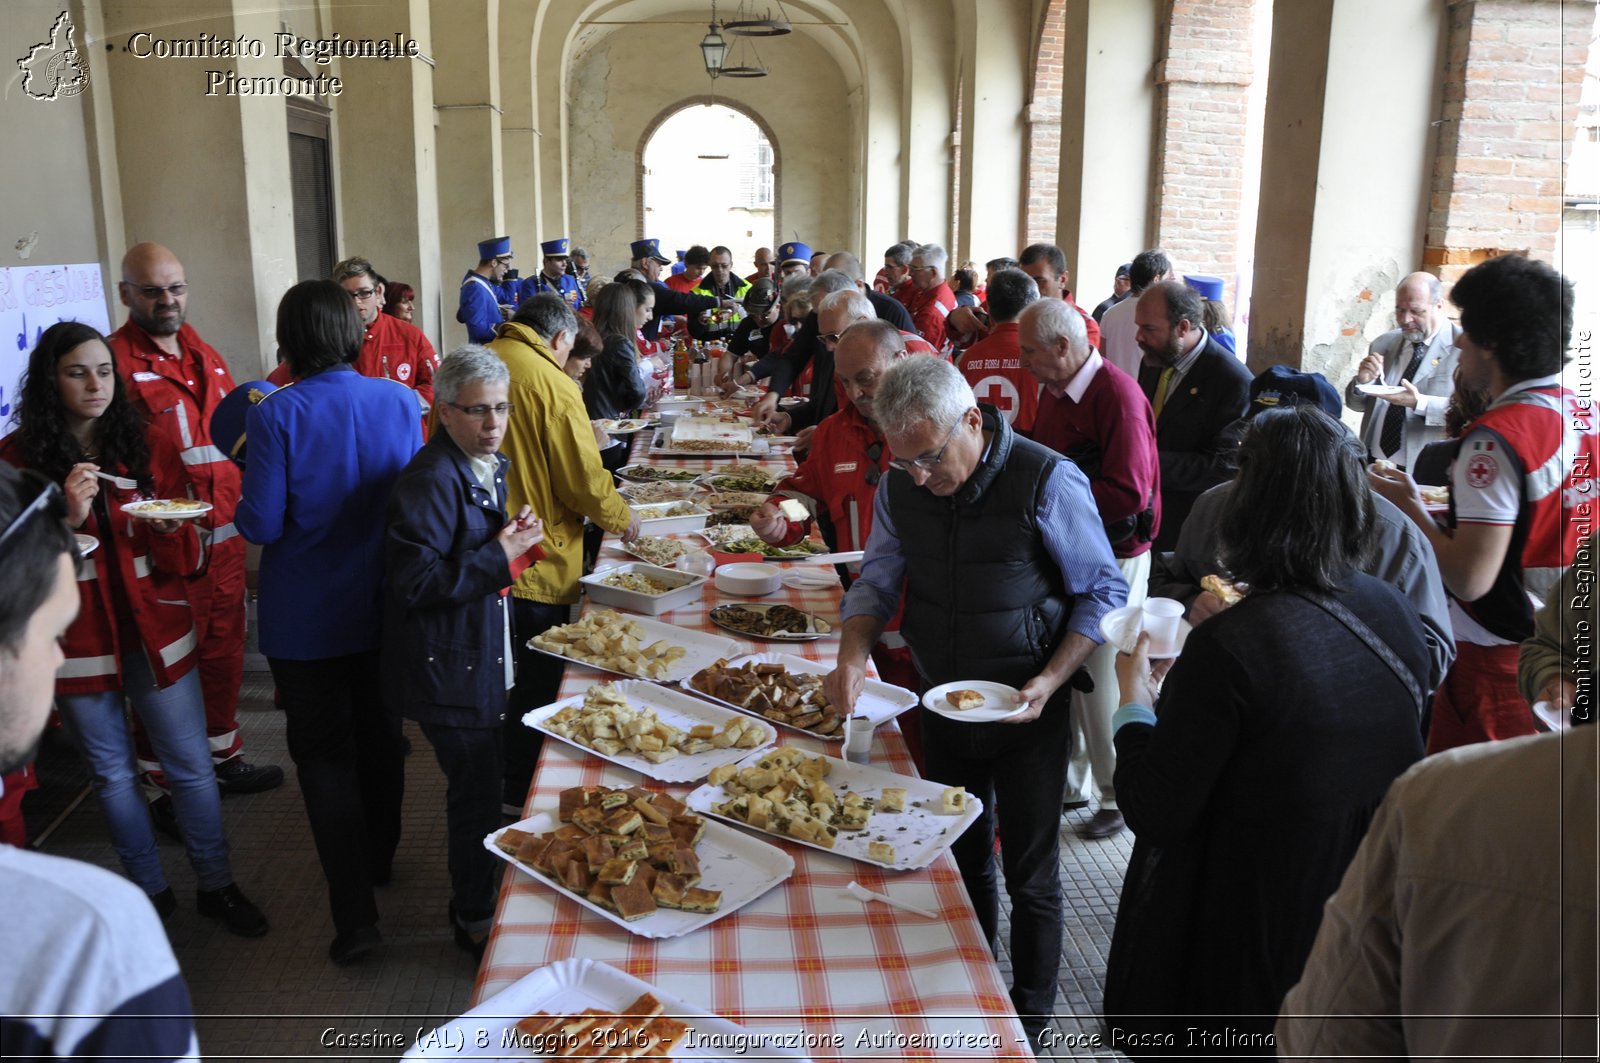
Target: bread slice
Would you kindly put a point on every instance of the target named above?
(699, 900)
(1224, 589)
(964, 700)
(882, 852)
(954, 800)
(510, 840)
(632, 900)
(892, 799)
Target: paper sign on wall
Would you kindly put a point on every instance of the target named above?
(32, 298)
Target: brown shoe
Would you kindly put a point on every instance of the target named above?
(1103, 824)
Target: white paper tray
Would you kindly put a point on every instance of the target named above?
(673, 707)
(702, 649)
(742, 867)
(879, 701)
(661, 445)
(927, 832)
(568, 987)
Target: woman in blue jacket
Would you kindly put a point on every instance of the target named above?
(450, 554)
(324, 455)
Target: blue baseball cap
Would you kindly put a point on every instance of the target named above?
(554, 248)
(496, 247)
(648, 249)
(227, 420)
(794, 251)
(1281, 385)
(1209, 287)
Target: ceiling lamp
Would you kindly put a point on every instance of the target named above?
(741, 66)
(713, 47)
(748, 25)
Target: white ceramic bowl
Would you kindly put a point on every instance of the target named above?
(749, 578)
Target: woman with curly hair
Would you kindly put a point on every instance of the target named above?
(134, 636)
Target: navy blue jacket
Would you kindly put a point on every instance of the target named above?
(444, 615)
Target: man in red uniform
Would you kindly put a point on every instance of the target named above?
(176, 380)
(696, 261)
(931, 298)
(1521, 492)
(393, 349)
(895, 276)
(993, 365)
(840, 474)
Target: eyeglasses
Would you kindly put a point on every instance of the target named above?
(927, 464)
(154, 291)
(923, 269)
(361, 295)
(874, 453)
(48, 499)
(478, 413)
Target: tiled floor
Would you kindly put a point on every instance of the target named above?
(279, 997)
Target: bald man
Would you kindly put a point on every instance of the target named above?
(1418, 357)
(176, 379)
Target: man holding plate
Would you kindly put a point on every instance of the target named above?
(999, 551)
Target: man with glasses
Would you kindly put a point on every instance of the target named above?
(931, 300)
(392, 349)
(94, 973)
(996, 547)
(177, 380)
(720, 283)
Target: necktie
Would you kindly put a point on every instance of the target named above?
(1392, 435)
(1161, 388)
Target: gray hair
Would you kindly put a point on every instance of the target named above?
(831, 280)
(465, 365)
(799, 284)
(547, 314)
(932, 255)
(858, 306)
(900, 254)
(578, 252)
(848, 264)
(921, 389)
(1052, 320)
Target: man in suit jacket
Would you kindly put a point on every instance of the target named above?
(1418, 356)
(1196, 389)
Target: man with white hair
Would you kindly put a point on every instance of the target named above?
(1095, 414)
(932, 299)
(887, 307)
(995, 544)
(1418, 356)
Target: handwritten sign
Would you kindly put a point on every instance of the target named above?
(32, 298)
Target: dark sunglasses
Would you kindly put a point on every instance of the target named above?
(46, 498)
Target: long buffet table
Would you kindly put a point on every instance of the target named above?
(807, 966)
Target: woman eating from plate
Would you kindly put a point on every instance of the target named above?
(1250, 773)
(134, 635)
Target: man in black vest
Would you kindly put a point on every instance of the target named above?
(1006, 572)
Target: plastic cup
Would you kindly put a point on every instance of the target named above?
(1161, 616)
(857, 739)
(696, 562)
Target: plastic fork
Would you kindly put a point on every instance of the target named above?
(121, 483)
(860, 892)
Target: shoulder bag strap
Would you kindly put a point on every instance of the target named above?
(1360, 630)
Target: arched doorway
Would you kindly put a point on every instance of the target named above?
(707, 177)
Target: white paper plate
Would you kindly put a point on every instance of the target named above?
(633, 474)
(1121, 628)
(719, 535)
(702, 649)
(879, 701)
(661, 445)
(919, 834)
(672, 706)
(137, 509)
(87, 544)
(997, 701)
(568, 987)
(772, 475)
(664, 491)
(742, 867)
(811, 633)
(1381, 391)
(626, 426)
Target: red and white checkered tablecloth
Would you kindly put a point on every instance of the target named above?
(806, 960)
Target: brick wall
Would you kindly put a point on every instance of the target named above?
(1513, 74)
(1204, 84)
(1043, 162)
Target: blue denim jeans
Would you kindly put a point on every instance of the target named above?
(175, 720)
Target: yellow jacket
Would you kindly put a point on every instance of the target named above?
(555, 465)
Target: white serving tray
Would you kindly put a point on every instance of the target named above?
(653, 521)
(673, 707)
(926, 833)
(742, 867)
(568, 987)
(879, 701)
(631, 473)
(702, 649)
(685, 587)
(661, 445)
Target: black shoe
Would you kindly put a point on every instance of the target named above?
(165, 902)
(464, 939)
(1073, 806)
(1103, 824)
(239, 776)
(351, 946)
(231, 906)
(165, 819)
